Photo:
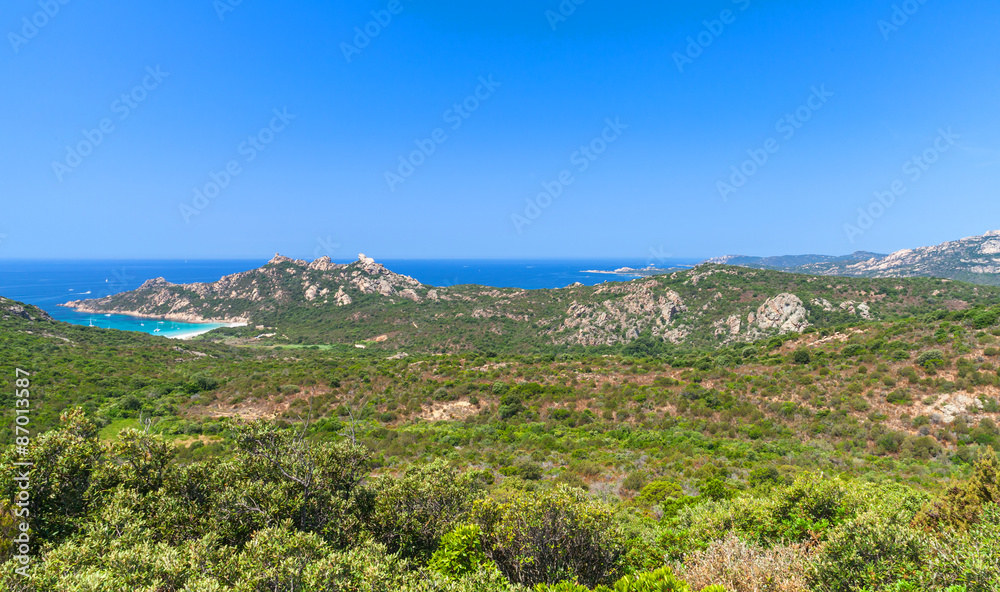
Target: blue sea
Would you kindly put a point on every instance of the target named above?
(48, 283)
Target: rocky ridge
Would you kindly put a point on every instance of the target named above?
(974, 259)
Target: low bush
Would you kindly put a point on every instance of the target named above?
(544, 537)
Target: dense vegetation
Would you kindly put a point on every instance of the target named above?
(858, 455)
(284, 512)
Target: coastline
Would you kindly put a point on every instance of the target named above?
(194, 333)
(206, 325)
(178, 317)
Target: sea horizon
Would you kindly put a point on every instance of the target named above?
(48, 283)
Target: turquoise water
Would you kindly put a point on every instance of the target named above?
(47, 283)
(127, 323)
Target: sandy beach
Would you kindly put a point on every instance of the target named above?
(206, 329)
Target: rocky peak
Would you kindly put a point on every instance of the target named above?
(324, 263)
(155, 283)
(278, 258)
(368, 265)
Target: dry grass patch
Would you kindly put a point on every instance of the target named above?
(741, 567)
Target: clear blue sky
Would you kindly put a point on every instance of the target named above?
(357, 110)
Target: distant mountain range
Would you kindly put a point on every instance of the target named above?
(975, 259)
(364, 304)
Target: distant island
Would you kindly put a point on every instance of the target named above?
(649, 271)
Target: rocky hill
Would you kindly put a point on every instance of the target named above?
(974, 259)
(282, 283)
(10, 308)
(366, 304)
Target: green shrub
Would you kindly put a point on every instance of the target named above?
(544, 537)
(962, 503)
(930, 359)
(664, 493)
(899, 397)
(853, 349)
(510, 406)
(414, 510)
(807, 509)
(766, 476)
(635, 481)
(986, 318)
(561, 414)
(460, 552)
(661, 580)
(801, 356)
(525, 469)
(972, 557)
(871, 551)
